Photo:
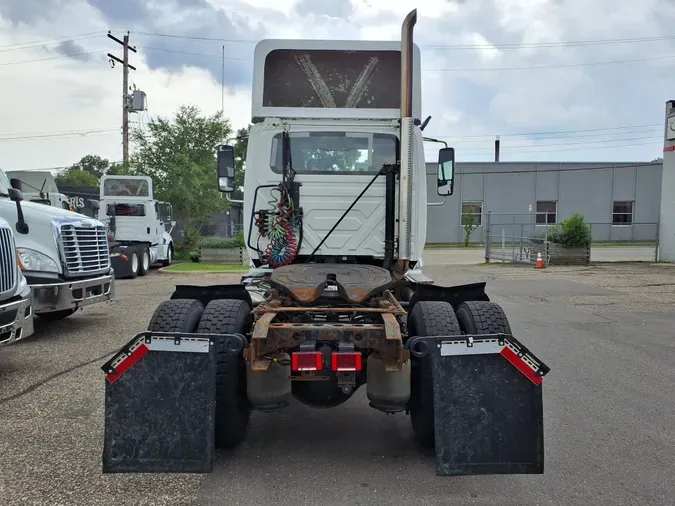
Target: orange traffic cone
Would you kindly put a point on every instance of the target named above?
(540, 261)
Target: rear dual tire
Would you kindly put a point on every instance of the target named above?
(438, 318)
(218, 317)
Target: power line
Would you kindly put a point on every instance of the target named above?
(453, 46)
(49, 58)
(54, 40)
(45, 44)
(476, 69)
(516, 146)
(459, 152)
(220, 57)
(83, 131)
(549, 132)
(56, 136)
(565, 65)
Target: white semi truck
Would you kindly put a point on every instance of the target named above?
(139, 227)
(335, 196)
(64, 256)
(16, 312)
(40, 187)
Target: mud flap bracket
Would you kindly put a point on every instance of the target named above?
(488, 406)
(160, 403)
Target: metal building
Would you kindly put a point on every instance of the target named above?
(621, 201)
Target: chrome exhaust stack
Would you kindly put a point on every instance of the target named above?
(407, 122)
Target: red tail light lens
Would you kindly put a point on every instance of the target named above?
(307, 361)
(346, 361)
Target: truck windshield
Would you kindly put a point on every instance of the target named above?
(335, 152)
(35, 181)
(126, 188)
(4, 184)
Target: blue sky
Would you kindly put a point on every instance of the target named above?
(536, 72)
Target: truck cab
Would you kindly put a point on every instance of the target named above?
(39, 187)
(16, 312)
(139, 227)
(64, 256)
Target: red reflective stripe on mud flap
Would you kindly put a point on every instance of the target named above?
(126, 364)
(520, 364)
(668, 148)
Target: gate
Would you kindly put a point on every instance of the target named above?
(513, 237)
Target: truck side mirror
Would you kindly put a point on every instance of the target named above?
(226, 168)
(446, 168)
(15, 195)
(16, 183)
(94, 204)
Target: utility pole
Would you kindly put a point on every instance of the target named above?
(125, 91)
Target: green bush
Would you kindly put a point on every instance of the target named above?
(219, 243)
(195, 256)
(573, 232)
(240, 238)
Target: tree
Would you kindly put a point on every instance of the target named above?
(659, 159)
(92, 164)
(77, 177)
(179, 155)
(240, 162)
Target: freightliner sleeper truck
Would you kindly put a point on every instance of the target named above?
(335, 199)
(16, 313)
(64, 256)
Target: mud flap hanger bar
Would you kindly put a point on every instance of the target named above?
(134, 350)
(470, 344)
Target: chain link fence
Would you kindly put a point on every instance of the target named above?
(519, 237)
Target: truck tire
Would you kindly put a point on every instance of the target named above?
(134, 263)
(169, 256)
(428, 318)
(227, 316)
(176, 315)
(482, 317)
(144, 267)
(56, 315)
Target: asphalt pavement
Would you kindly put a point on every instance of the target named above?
(606, 332)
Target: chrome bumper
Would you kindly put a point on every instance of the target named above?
(21, 325)
(72, 294)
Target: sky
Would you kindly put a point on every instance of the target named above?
(557, 80)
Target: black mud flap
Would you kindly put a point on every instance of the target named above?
(488, 408)
(160, 403)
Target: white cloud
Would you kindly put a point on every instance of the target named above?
(65, 94)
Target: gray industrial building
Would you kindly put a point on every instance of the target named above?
(621, 201)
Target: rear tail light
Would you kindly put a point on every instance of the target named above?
(346, 361)
(307, 361)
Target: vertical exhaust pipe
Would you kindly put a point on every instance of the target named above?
(406, 176)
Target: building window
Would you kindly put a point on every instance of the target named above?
(622, 213)
(546, 209)
(472, 213)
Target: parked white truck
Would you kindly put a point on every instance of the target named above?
(64, 256)
(16, 313)
(38, 186)
(139, 227)
(335, 197)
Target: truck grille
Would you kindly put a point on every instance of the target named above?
(85, 249)
(7, 261)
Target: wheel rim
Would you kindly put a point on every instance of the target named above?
(134, 262)
(146, 261)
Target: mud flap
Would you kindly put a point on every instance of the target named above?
(488, 409)
(160, 403)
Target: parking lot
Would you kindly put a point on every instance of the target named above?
(605, 330)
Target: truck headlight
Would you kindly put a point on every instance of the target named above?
(31, 260)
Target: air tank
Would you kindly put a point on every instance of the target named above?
(387, 390)
(270, 390)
